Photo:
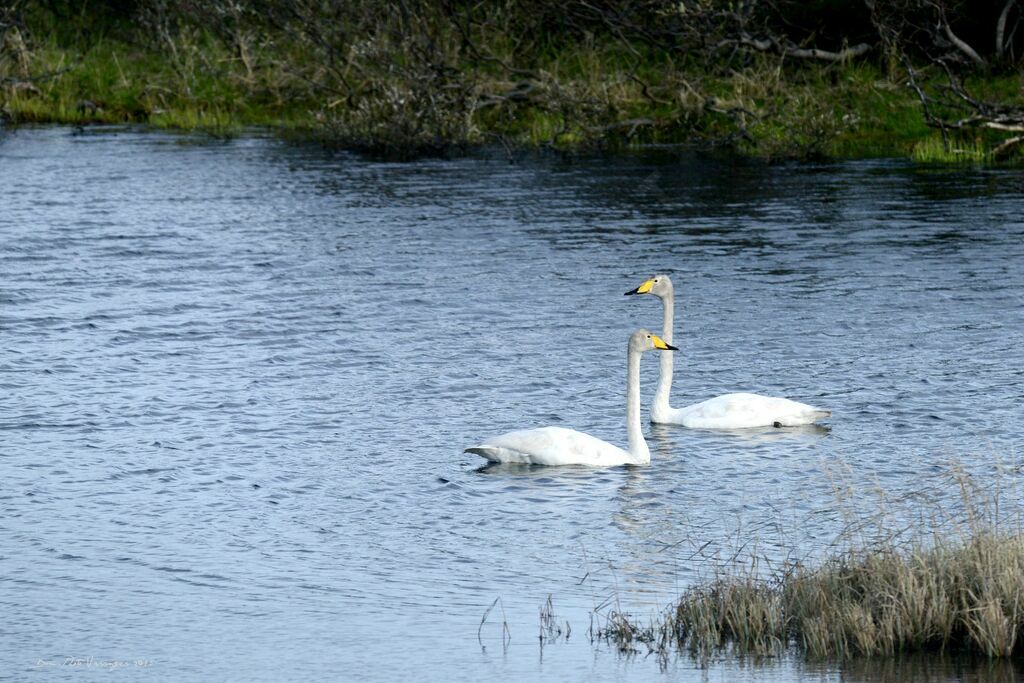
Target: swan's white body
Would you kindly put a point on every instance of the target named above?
(739, 411)
(554, 446)
(561, 446)
(729, 411)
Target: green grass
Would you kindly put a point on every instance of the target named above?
(583, 94)
(216, 121)
(201, 86)
(933, 151)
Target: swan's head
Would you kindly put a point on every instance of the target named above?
(645, 340)
(659, 286)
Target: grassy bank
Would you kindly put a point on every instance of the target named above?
(191, 82)
(423, 86)
(959, 590)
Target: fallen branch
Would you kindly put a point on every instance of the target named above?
(632, 124)
(1010, 128)
(17, 80)
(737, 114)
(954, 98)
(789, 50)
(523, 91)
(1003, 148)
(841, 56)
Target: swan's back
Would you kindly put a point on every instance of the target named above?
(551, 446)
(742, 410)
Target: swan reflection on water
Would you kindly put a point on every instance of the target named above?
(670, 441)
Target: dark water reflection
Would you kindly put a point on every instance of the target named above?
(919, 669)
(237, 377)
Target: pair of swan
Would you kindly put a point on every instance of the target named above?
(561, 446)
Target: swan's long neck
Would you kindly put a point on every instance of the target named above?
(660, 403)
(637, 446)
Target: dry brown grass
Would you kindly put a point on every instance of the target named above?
(958, 591)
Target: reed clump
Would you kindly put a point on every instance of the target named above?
(967, 597)
(964, 598)
(957, 589)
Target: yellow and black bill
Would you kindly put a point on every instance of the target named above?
(642, 289)
(659, 343)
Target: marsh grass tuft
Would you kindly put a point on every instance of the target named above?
(932, 150)
(960, 591)
(215, 122)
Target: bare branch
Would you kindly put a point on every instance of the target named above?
(1001, 27)
(1003, 149)
(1012, 128)
(39, 77)
(631, 124)
(841, 56)
(766, 45)
(961, 45)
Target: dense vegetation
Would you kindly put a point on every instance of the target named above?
(774, 78)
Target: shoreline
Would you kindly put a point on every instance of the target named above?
(580, 96)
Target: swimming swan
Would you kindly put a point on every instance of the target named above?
(729, 411)
(561, 446)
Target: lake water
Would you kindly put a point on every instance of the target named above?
(237, 378)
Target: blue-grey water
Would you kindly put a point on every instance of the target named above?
(237, 377)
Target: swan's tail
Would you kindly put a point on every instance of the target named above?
(816, 414)
(489, 452)
(803, 417)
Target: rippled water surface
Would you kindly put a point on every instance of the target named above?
(237, 378)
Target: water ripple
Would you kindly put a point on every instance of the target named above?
(237, 379)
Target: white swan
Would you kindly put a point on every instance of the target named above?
(729, 411)
(561, 446)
